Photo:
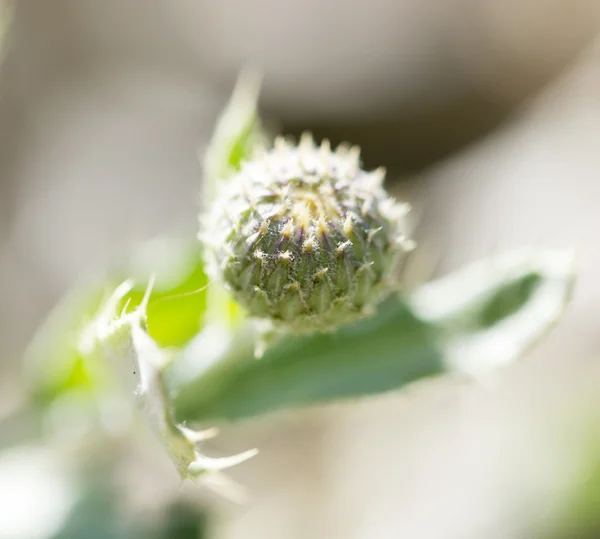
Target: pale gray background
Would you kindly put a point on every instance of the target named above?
(489, 113)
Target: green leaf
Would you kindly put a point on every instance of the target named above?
(95, 515)
(376, 354)
(491, 312)
(237, 135)
(51, 491)
(470, 322)
(183, 521)
(177, 308)
(55, 363)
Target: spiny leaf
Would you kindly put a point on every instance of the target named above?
(54, 361)
(123, 341)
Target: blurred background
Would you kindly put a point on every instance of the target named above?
(487, 115)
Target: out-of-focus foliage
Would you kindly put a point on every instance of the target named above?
(56, 363)
(44, 496)
(578, 516)
(98, 514)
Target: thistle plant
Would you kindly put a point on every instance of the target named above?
(304, 238)
(301, 240)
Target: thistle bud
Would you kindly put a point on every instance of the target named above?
(304, 237)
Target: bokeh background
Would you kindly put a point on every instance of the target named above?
(487, 115)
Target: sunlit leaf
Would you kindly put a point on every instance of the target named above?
(55, 362)
(177, 307)
(237, 134)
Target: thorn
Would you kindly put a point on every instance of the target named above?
(379, 175)
(322, 228)
(372, 233)
(343, 149)
(321, 274)
(288, 229)
(203, 463)
(306, 141)
(342, 247)
(303, 218)
(348, 228)
(366, 206)
(286, 257)
(325, 150)
(309, 245)
(144, 304)
(292, 286)
(278, 212)
(280, 143)
(124, 309)
(196, 436)
(365, 268)
(394, 210)
(250, 241)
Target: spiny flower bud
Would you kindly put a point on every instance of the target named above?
(304, 237)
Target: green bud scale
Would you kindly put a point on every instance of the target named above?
(304, 237)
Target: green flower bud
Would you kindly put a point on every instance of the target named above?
(304, 237)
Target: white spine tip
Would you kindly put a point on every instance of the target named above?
(306, 141)
(348, 229)
(325, 148)
(379, 173)
(342, 247)
(282, 146)
(343, 149)
(354, 154)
